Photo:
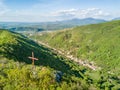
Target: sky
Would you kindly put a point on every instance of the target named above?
(56, 10)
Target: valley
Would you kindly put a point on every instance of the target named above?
(92, 42)
(81, 62)
(79, 58)
(96, 43)
(16, 70)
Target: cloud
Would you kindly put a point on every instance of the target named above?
(26, 16)
(44, 11)
(3, 8)
(22, 15)
(78, 13)
(34, 14)
(65, 14)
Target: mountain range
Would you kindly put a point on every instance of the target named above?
(118, 18)
(45, 26)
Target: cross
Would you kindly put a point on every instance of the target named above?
(33, 58)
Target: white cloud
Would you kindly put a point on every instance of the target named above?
(65, 14)
(78, 13)
(26, 16)
(34, 15)
(38, 12)
(3, 8)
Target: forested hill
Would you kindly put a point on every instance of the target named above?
(50, 72)
(99, 43)
(17, 47)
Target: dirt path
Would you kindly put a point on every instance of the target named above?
(81, 62)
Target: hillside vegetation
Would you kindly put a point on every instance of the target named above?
(51, 71)
(18, 48)
(99, 43)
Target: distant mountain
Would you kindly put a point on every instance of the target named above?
(118, 18)
(70, 23)
(84, 21)
(43, 26)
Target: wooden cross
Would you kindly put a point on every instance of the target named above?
(33, 58)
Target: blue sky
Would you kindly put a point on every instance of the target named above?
(52, 10)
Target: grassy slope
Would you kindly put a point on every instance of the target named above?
(14, 74)
(97, 42)
(17, 47)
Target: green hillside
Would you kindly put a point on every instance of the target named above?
(17, 47)
(51, 71)
(99, 43)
